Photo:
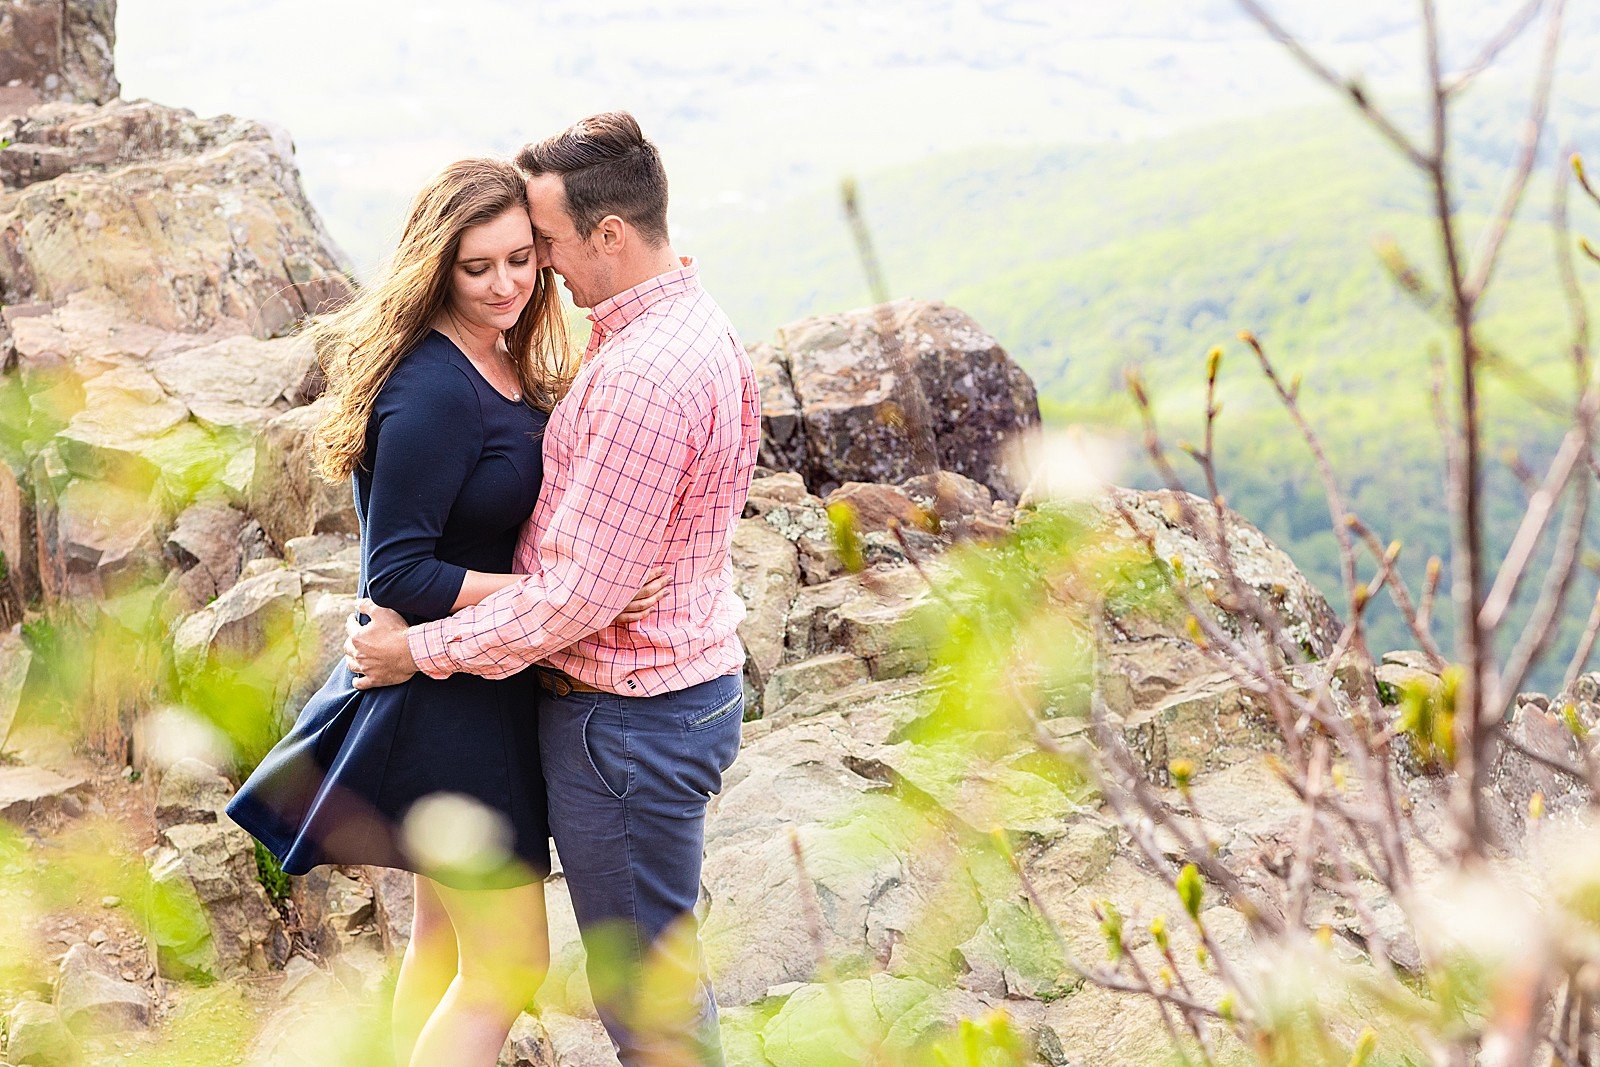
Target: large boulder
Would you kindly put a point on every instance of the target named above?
(287, 496)
(56, 50)
(887, 393)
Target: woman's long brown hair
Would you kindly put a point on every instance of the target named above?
(361, 343)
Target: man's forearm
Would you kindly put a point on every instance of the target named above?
(509, 630)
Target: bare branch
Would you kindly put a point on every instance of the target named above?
(1495, 45)
(1488, 250)
(1577, 306)
(1534, 523)
(1580, 656)
(1552, 600)
(1350, 89)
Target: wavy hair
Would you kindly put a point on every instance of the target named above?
(361, 343)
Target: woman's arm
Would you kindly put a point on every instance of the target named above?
(429, 437)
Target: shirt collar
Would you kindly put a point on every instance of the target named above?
(613, 314)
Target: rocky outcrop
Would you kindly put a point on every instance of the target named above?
(890, 393)
(57, 51)
(183, 244)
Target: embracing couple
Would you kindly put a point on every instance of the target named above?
(551, 649)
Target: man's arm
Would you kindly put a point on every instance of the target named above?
(630, 464)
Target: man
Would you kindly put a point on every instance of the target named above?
(648, 461)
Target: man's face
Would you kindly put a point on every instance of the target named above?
(575, 256)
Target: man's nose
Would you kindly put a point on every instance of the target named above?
(541, 254)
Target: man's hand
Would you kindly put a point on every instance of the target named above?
(378, 652)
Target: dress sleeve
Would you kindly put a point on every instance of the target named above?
(429, 436)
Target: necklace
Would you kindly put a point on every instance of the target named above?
(455, 336)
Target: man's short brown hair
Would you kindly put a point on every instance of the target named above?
(607, 168)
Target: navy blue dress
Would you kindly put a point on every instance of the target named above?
(452, 469)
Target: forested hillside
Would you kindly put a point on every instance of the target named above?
(1086, 260)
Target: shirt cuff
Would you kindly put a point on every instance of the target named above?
(429, 650)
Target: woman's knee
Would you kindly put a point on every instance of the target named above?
(507, 981)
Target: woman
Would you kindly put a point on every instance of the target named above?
(440, 376)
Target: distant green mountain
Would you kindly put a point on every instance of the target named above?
(1085, 260)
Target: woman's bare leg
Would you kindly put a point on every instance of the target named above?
(426, 970)
(503, 945)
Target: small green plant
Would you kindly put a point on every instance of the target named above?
(270, 875)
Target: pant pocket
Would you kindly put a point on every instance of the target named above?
(605, 742)
(702, 718)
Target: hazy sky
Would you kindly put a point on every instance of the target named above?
(750, 100)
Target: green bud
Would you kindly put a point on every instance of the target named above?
(1191, 891)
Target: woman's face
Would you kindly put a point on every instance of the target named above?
(494, 271)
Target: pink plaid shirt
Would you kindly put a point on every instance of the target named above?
(647, 460)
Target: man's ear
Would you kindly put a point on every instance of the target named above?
(613, 234)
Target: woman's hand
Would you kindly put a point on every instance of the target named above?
(653, 590)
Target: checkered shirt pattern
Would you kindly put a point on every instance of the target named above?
(647, 460)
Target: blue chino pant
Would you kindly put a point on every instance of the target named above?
(629, 779)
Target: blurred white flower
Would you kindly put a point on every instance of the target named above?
(1482, 915)
(1063, 465)
(170, 734)
(455, 832)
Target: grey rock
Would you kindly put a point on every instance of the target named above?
(93, 997)
(766, 569)
(191, 791)
(863, 615)
(240, 623)
(809, 679)
(37, 795)
(36, 1034)
(286, 495)
(204, 547)
(235, 930)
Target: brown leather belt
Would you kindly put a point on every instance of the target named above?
(561, 683)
